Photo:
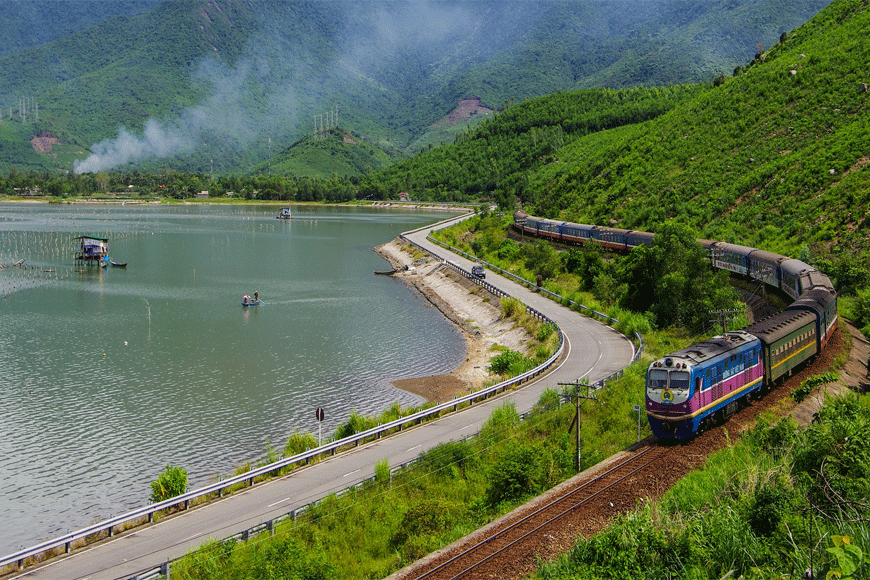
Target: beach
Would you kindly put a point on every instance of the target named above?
(470, 307)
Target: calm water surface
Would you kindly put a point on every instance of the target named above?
(109, 375)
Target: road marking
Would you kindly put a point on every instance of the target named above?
(277, 502)
(413, 448)
(351, 473)
(192, 537)
(466, 427)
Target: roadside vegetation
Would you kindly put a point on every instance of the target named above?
(668, 285)
(780, 503)
(394, 519)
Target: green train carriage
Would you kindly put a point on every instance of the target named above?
(788, 339)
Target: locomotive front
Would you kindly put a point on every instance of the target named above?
(669, 396)
(688, 389)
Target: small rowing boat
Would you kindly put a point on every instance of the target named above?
(118, 264)
(251, 303)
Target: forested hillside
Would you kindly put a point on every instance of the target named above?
(27, 24)
(774, 157)
(225, 84)
(495, 158)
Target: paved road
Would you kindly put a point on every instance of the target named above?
(596, 351)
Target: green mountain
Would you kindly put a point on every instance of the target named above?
(775, 157)
(196, 85)
(25, 24)
(332, 152)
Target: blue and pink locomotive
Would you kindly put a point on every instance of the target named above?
(690, 390)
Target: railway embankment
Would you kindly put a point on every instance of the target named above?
(625, 495)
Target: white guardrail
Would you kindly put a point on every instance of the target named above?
(147, 512)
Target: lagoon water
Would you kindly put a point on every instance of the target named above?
(108, 375)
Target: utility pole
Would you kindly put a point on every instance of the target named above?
(578, 399)
(723, 316)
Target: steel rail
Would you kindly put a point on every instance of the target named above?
(529, 516)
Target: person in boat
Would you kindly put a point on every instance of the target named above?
(245, 299)
(256, 295)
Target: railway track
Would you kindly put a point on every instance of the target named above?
(518, 543)
(514, 547)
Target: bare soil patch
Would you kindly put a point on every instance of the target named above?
(464, 111)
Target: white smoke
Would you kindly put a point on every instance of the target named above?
(222, 115)
(277, 76)
(156, 141)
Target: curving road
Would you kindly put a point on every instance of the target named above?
(595, 351)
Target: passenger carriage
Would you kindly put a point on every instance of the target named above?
(635, 238)
(576, 233)
(731, 257)
(823, 303)
(611, 238)
(688, 389)
(546, 228)
(788, 339)
(764, 266)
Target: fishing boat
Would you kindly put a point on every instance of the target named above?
(251, 303)
(284, 214)
(248, 301)
(118, 264)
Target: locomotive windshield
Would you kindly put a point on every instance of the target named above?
(658, 379)
(664, 379)
(680, 380)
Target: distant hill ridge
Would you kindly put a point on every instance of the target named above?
(192, 85)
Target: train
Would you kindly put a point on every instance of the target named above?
(695, 388)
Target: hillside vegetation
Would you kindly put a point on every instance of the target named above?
(774, 157)
(780, 148)
(191, 85)
(496, 157)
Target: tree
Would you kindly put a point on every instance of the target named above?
(541, 258)
(586, 263)
(673, 280)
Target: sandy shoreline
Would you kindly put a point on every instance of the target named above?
(473, 310)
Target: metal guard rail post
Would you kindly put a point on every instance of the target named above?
(148, 511)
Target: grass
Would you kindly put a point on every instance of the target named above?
(381, 526)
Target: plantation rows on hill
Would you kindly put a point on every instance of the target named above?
(780, 148)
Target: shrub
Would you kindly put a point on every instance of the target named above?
(544, 332)
(171, 483)
(806, 387)
(522, 471)
(382, 471)
(285, 557)
(355, 424)
(769, 502)
(299, 443)
(510, 361)
(430, 517)
(449, 458)
(511, 307)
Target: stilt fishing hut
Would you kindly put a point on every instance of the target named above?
(91, 250)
